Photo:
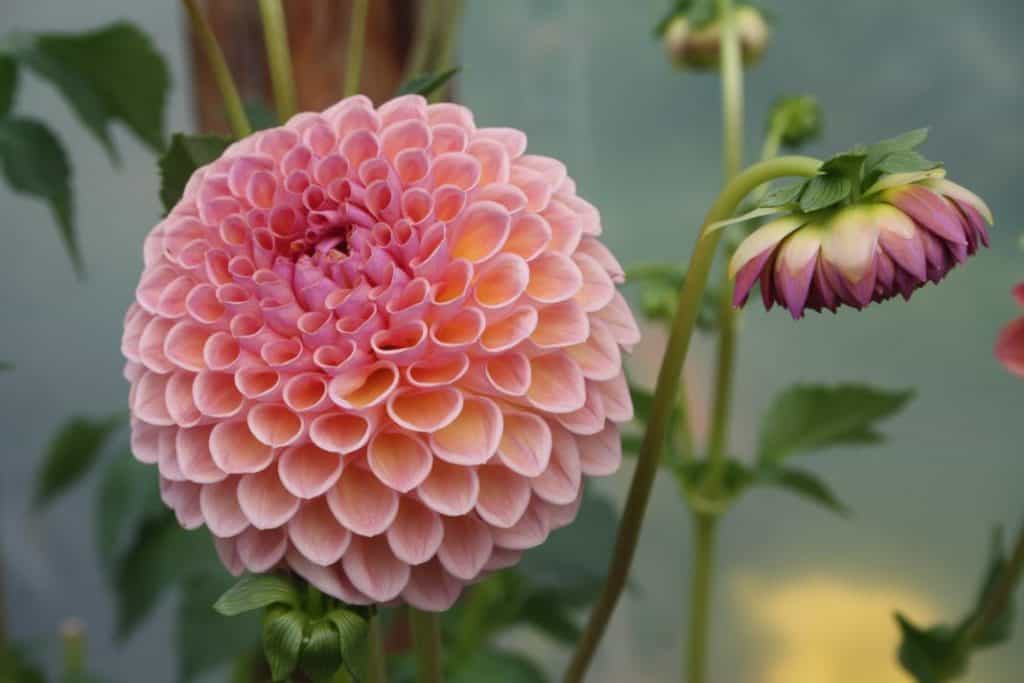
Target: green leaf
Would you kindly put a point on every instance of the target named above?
(352, 627)
(128, 495)
(643, 402)
(678, 8)
(162, 555)
(803, 484)
(760, 212)
(999, 629)
(321, 655)
(659, 285)
(6, 367)
(931, 655)
(427, 84)
(907, 161)
(15, 666)
(261, 117)
(205, 640)
(498, 666)
(782, 196)
(631, 443)
(8, 83)
(255, 591)
(810, 417)
(282, 641)
(111, 74)
(823, 191)
(574, 560)
(901, 143)
(736, 477)
(71, 454)
(185, 154)
(544, 612)
(35, 164)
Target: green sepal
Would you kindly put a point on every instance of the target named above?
(427, 84)
(283, 631)
(352, 626)
(8, 83)
(255, 591)
(321, 654)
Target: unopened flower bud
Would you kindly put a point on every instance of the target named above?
(796, 120)
(691, 46)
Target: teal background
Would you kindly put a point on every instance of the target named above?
(589, 86)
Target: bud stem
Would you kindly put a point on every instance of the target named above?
(233, 108)
(426, 635)
(376, 670)
(279, 58)
(665, 395)
(356, 42)
(72, 635)
(704, 525)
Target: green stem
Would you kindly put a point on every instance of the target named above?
(700, 597)
(999, 597)
(423, 39)
(356, 44)
(426, 635)
(446, 47)
(279, 58)
(665, 394)
(72, 635)
(376, 670)
(233, 108)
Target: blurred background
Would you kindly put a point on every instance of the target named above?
(803, 597)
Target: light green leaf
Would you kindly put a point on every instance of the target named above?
(111, 74)
(907, 161)
(782, 196)
(901, 143)
(427, 84)
(185, 154)
(8, 83)
(205, 640)
(71, 454)
(128, 495)
(498, 666)
(282, 640)
(761, 212)
(809, 417)
(255, 591)
(803, 484)
(823, 191)
(35, 164)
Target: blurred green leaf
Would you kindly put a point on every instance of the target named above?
(736, 477)
(162, 555)
(110, 74)
(545, 612)
(71, 454)
(261, 117)
(6, 367)
(282, 640)
(1000, 627)
(255, 591)
(809, 417)
(129, 494)
(427, 84)
(931, 655)
(8, 83)
(35, 164)
(15, 666)
(184, 155)
(204, 639)
(802, 483)
(659, 284)
(498, 666)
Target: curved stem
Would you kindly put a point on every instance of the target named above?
(356, 43)
(233, 108)
(279, 58)
(424, 37)
(1000, 595)
(700, 597)
(446, 46)
(665, 394)
(376, 670)
(426, 635)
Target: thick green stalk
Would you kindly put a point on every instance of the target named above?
(665, 395)
(700, 597)
(279, 57)
(356, 45)
(233, 108)
(72, 635)
(376, 669)
(423, 39)
(426, 636)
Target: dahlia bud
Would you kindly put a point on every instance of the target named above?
(796, 120)
(1010, 344)
(695, 45)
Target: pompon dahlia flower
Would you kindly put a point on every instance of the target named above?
(379, 347)
(908, 230)
(1010, 344)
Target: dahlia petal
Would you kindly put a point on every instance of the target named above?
(509, 196)
(530, 531)
(460, 331)
(600, 253)
(262, 550)
(194, 459)
(466, 546)
(764, 239)
(587, 420)
(340, 432)
(598, 357)
(513, 140)
(472, 437)
(151, 345)
(556, 384)
(503, 558)
(450, 489)
(437, 372)
(167, 455)
(274, 425)
(481, 231)
(525, 446)
(601, 454)
(598, 289)
(327, 579)
(424, 410)
(362, 504)
(620, 322)
(227, 551)
(533, 184)
(365, 387)
(456, 168)
(501, 281)
(180, 405)
(566, 227)
(215, 394)
(503, 496)
(399, 460)
(529, 234)
(221, 511)
(431, 588)
(308, 471)
(795, 264)
(929, 210)
(416, 533)
(150, 403)
(1009, 347)
(145, 442)
(374, 569)
(561, 325)
(235, 450)
(898, 238)
(850, 244)
(961, 195)
(560, 482)
(186, 505)
(508, 374)
(316, 534)
(554, 277)
(494, 160)
(559, 516)
(615, 398)
(264, 500)
(506, 333)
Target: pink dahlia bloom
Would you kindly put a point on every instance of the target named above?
(906, 232)
(1010, 344)
(379, 347)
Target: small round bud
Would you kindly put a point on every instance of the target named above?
(692, 46)
(797, 120)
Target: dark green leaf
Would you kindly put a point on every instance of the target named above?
(35, 164)
(823, 191)
(545, 613)
(185, 154)
(352, 627)
(574, 560)
(71, 454)
(282, 640)
(643, 401)
(849, 164)
(129, 494)
(6, 367)
(631, 443)
(803, 484)
(15, 666)
(427, 84)
(321, 655)
(110, 74)
(498, 666)
(205, 640)
(787, 194)
(735, 478)
(255, 591)
(999, 628)
(678, 8)
(162, 556)
(8, 83)
(659, 285)
(261, 117)
(812, 417)
(931, 655)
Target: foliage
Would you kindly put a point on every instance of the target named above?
(185, 154)
(427, 84)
